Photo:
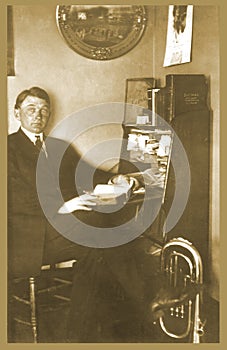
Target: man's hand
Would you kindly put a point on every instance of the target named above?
(77, 203)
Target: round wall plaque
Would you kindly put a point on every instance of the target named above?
(101, 32)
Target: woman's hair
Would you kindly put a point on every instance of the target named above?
(34, 91)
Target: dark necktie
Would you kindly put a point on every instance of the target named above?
(38, 142)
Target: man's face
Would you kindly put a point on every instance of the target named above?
(33, 114)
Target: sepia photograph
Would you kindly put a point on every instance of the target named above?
(113, 173)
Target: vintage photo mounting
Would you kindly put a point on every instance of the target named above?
(101, 32)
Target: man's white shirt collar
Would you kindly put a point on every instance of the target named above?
(31, 135)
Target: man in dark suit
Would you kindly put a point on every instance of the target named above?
(32, 241)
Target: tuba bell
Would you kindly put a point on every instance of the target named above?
(181, 265)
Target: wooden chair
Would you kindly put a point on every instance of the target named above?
(30, 298)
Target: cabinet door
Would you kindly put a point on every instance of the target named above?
(193, 129)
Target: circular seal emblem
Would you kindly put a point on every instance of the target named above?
(101, 32)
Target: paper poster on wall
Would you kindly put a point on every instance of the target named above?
(179, 35)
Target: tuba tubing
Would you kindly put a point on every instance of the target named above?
(177, 251)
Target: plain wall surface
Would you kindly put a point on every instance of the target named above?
(75, 83)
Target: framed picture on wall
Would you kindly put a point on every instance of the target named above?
(101, 32)
(136, 98)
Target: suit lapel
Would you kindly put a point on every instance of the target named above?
(28, 147)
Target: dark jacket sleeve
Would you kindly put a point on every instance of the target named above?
(22, 195)
(77, 175)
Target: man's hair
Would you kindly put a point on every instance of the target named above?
(34, 91)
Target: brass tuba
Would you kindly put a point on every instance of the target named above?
(181, 264)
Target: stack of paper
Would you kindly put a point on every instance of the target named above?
(111, 190)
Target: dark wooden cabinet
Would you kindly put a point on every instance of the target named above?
(191, 121)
